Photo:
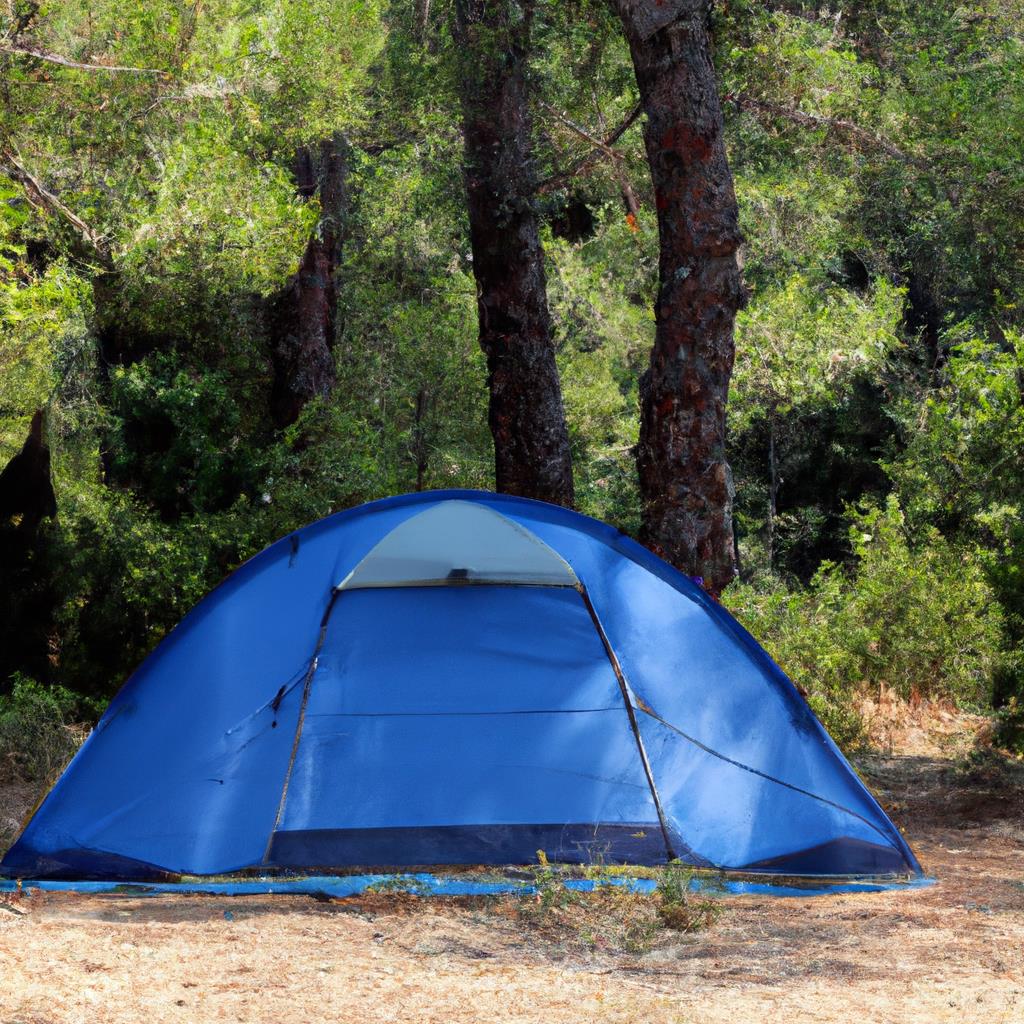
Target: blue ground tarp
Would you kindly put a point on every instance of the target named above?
(424, 884)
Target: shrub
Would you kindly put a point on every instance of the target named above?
(549, 892)
(40, 730)
(917, 617)
(1009, 730)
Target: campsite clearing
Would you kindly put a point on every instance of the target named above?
(953, 952)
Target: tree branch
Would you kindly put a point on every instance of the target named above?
(66, 62)
(601, 144)
(603, 147)
(861, 136)
(617, 159)
(41, 197)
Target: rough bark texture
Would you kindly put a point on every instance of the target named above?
(303, 315)
(527, 418)
(685, 481)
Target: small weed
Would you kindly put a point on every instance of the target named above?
(679, 908)
(549, 893)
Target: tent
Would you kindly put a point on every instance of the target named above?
(457, 677)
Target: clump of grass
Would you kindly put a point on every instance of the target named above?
(679, 908)
(549, 893)
(614, 917)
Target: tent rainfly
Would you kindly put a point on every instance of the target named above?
(457, 677)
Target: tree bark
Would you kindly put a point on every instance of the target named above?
(25, 487)
(27, 598)
(773, 487)
(526, 415)
(685, 482)
(303, 315)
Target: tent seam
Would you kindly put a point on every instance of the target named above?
(631, 713)
(770, 778)
(307, 688)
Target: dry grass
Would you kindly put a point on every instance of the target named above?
(921, 727)
(16, 799)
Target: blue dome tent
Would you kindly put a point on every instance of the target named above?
(457, 677)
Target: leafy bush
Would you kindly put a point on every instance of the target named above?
(918, 617)
(40, 730)
(549, 892)
(1009, 730)
(962, 471)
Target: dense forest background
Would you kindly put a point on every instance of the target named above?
(166, 167)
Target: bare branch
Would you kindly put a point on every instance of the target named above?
(41, 197)
(602, 148)
(582, 132)
(861, 136)
(617, 159)
(66, 62)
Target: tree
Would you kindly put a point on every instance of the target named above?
(303, 315)
(685, 482)
(526, 415)
(26, 596)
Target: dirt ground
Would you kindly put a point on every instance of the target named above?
(953, 952)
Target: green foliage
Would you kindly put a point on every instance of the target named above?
(315, 56)
(917, 617)
(42, 316)
(961, 468)
(214, 215)
(549, 893)
(124, 573)
(603, 342)
(1009, 731)
(40, 729)
(181, 441)
(800, 346)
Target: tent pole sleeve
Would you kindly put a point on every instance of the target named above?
(306, 688)
(633, 724)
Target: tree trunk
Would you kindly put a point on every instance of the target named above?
(773, 488)
(685, 482)
(27, 598)
(303, 314)
(422, 19)
(527, 418)
(419, 437)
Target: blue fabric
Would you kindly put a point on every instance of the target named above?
(424, 884)
(251, 739)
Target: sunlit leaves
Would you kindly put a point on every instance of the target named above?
(800, 344)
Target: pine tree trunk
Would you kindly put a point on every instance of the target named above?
(27, 596)
(302, 316)
(773, 487)
(527, 418)
(685, 482)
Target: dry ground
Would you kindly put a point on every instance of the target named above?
(954, 952)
